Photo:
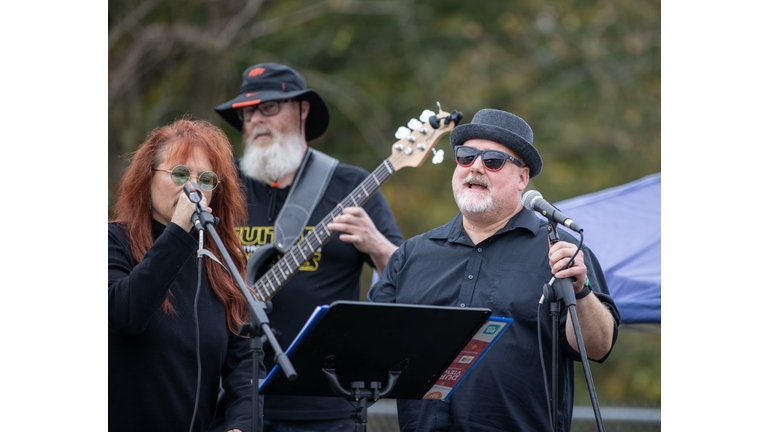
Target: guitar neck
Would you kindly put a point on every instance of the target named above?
(285, 268)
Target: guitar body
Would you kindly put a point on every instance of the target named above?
(258, 263)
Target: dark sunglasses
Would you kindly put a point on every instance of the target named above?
(208, 180)
(493, 160)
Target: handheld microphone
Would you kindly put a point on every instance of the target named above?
(196, 196)
(533, 201)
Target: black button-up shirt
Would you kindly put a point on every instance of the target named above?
(506, 391)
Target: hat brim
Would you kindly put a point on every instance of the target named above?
(523, 148)
(317, 120)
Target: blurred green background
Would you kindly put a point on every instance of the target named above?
(586, 75)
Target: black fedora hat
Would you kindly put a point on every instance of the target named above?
(272, 81)
(504, 128)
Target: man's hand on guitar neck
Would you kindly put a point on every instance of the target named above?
(356, 227)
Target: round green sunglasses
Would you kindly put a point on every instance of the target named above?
(180, 175)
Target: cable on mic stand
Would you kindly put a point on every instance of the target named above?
(556, 291)
(258, 318)
(195, 198)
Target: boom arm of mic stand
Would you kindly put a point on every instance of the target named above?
(257, 308)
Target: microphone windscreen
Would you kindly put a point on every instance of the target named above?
(529, 198)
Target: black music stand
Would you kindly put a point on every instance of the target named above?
(368, 351)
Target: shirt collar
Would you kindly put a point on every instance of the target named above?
(454, 232)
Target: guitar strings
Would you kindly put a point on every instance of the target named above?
(288, 267)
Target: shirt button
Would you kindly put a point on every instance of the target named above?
(479, 249)
(462, 305)
(470, 277)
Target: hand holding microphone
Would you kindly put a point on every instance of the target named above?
(565, 259)
(185, 209)
(201, 212)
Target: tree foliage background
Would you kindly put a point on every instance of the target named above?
(586, 75)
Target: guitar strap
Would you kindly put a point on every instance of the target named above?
(306, 191)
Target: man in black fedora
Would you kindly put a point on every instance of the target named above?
(291, 188)
(497, 254)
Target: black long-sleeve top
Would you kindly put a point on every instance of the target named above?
(154, 375)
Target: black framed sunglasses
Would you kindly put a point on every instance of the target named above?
(208, 180)
(493, 160)
(267, 109)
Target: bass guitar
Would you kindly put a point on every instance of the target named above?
(414, 145)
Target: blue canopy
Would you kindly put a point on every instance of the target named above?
(622, 226)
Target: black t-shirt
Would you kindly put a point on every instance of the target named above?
(330, 274)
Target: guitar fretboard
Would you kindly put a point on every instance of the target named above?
(285, 268)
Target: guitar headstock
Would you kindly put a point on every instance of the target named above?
(416, 141)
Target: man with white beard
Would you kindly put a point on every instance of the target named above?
(278, 115)
(496, 254)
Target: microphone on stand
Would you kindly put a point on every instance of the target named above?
(201, 217)
(533, 201)
(196, 196)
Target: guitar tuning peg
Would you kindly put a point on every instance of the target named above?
(402, 132)
(425, 115)
(414, 124)
(438, 156)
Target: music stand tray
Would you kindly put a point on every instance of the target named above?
(365, 351)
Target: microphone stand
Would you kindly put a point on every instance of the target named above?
(555, 291)
(258, 318)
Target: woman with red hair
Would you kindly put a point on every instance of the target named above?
(174, 314)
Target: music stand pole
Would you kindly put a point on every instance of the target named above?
(259, 322)
(360, 396)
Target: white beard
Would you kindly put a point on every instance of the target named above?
(473, 202)
(270, 164)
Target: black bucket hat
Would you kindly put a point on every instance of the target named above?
(272, 81)
(504, 128)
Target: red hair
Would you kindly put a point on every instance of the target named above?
(177, 142)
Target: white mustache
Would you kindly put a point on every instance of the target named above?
(260, 131)
(476, 179)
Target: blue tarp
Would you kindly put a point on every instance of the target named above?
(622, 226)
